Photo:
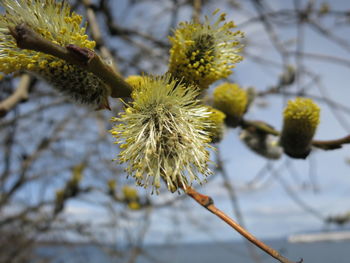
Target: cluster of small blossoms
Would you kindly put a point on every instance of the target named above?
(163, 134)
(301, 118)
(55, 22)
(232, 100)
(131, 197)
(204, 53)
(136, 82)
(217, 118)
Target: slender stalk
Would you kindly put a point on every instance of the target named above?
(197, 8)
(208, 203)
(20, 94)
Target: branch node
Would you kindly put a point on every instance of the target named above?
(85, 55)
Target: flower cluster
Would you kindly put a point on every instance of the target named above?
(217, 118)
(162, 134)
(301, 118)
(232, 100)
(55, 22)
(204, 53)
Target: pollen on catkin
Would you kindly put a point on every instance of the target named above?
(130, 193)
(216, 130)
(203, 53)
(301, 118)
(136, 82)
(232, 100)
(55, 22)
(163, 136)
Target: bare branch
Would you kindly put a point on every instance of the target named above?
(96, 34)
(21, 94)
(208, 203)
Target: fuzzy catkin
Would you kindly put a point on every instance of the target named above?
(55, 22)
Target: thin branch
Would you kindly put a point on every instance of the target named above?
(85, 58)
(21, 94)
(208, 203)
(97, 35)
(197, 7)
(331, 144)
(234, 201)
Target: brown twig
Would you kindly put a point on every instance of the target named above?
(20, 94)
(208, 203)
(235, 203)
(85, 58)
(331, 144)
(96, 34)
(197, 6)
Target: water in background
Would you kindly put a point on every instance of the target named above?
(235, 252)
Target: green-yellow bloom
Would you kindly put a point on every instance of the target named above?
(217, 118)
(134, 205)
(162, 134)
(130, 194)
(111, 185)
(203, 53)
(232, 100)
(55, 22)
(136, 82)
(301, 118)
(131, 197)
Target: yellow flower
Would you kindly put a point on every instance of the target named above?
(130, 194)
(204, 53)
(131, 198)
(301, 118)
(136, 82)
(217, 118)
(111, 184)
(162, 134)
(232, 100)
(55, 22)
(134, 205)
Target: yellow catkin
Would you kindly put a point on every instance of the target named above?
(217, 118)
(134, 205)
(136, 82)
(130, 193)
(55, 22)
(203, 53)
(301, 118)
(111, 184)
(163, 134)
(232, 100)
